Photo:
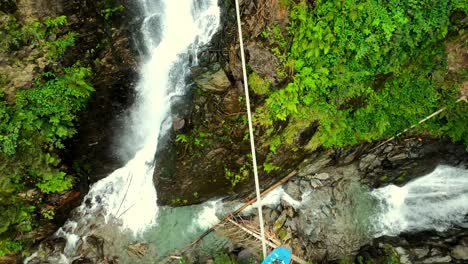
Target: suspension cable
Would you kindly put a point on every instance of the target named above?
(251, 135)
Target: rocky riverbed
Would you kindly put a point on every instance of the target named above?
(335, 220)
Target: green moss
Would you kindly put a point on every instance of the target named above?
(258, 84)
(282, 233)
(383, 178)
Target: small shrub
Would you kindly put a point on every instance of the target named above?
(108, 13)
(269, 167)
(239, 176)
(10, 247)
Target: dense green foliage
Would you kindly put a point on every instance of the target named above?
(44, 35)
(34, 126)
(366, 70)
(31, 132)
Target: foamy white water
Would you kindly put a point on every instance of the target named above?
(128, 194)
(436, 201)
(274, 198)
(172, 31)
(207, 216)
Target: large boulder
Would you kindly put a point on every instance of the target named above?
(214, 82)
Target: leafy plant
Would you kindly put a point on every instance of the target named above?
(10, 246)
(54, 182)
(58, 47)
(48, 213)
(179, 202)
(108, 13)
(239, 176)
(269, 167)
(182, 138)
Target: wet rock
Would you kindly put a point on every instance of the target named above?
(290, 212)
(231, 101)
(83, 260)
(432, 260)
(279, 223)
(420, 252)
(315, 183)
(350, 157)
(214, 82)
(291, 224)
(388, 148)
(267, 216)
(96, 246)
(329, 226)
(404, 258)
(178, 123)
(262, 62)
(314, 166)
(460, 251)
(246, 255)
(369, 162)
(293, 189)
(304, 186)
(274, 215)
(322, 176)
(234, 63)
(397, 157)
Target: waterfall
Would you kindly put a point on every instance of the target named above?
(436, 201)
(128, 194)
(172, 31)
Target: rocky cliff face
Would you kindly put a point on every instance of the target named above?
(115, 56)
(212, 144)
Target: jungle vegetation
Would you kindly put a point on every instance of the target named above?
(365, 70)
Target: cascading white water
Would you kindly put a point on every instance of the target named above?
(128, 193)
(172, 31)
(433, 202)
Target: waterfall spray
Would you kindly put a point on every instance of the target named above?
(436, 201)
